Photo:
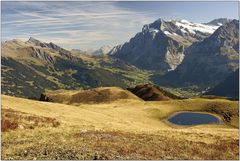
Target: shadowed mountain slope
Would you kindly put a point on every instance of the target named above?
(228, 88)
(149, 92)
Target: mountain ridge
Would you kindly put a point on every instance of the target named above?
(164, 41)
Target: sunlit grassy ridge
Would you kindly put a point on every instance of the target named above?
(94, 95)
(124, 129)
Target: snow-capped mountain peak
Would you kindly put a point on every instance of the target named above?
(191, 27)
(103, 50)
(180, 28)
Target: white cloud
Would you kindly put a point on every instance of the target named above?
(73, 24)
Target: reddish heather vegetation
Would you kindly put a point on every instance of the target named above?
(12, 120)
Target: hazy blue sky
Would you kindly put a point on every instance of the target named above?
(93, 24)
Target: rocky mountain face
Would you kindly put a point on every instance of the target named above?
(161, 45)
(227, 88)
(29, 68)
(207, 62)
(63, 52)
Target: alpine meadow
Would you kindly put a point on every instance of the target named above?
(120, 80)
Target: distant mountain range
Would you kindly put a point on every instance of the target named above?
(105, 49)
(174, 54)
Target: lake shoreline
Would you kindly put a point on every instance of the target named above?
(166, 120)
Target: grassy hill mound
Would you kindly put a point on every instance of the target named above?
(95, 95)
(149, 92)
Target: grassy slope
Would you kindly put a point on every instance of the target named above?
(123, 129)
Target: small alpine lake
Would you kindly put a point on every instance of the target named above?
(193, 118)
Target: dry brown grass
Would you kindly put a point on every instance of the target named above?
(124, 129)
(213, 97)
(73, 143)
